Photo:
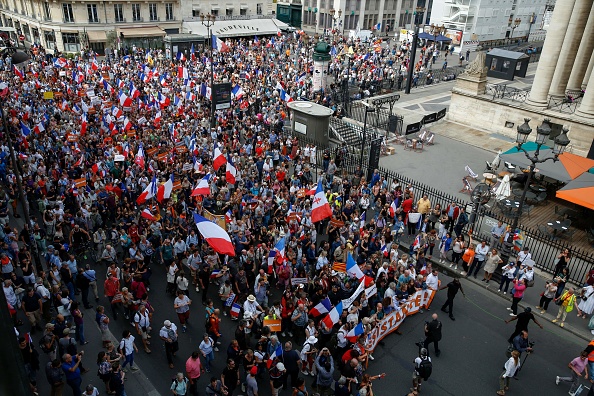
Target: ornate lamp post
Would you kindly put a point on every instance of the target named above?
(334, 20)
(413, 52)
(515, 24)
(208, 21)
(542, 134)
(436, 31)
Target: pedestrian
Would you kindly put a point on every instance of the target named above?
(276, 374)
(301, 390)
(193, 371)
(90, 390)
(213, 328)
(586, 305)
(204, 280)
(517, 295)
(181, 304)
(453, 287)
(111, 288)
(523, 318)
(104, 370)
(578, 369)
(422, 370)
(491, 263)
(251, 385)
(508, 273)
(480, 254)
(179, 385)
(292, 362)
(547, 295)
(521, 344)
(49, 342)
(168, 334)
(467, 55)
(566, 303)
(216, 388)
(511, 366)
(207, 349)
(325, 370)
(32, 305)
(45, 297)
(103, 323)
(116, 382)
(127, 349)
(55, 377)
(77, 315)
(432, 334)
(70, 366)
(83, 284)
(142, 323)
(230, 376)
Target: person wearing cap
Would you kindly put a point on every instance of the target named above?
(276, 374)
(168, 334)
(417, 378)
(251, 385)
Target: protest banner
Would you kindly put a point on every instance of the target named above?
(392, 321)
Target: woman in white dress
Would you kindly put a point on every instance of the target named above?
(586, 306)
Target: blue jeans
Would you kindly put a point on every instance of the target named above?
(129, 359)
(590, 369)
(207, 359)
(80, 333)
(75, 385)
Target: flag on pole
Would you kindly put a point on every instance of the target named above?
(320, 208)
(148, 215)
(235, 310)
(333, 316)
(323, 307)
(214, 235)
(278, 352)
(352, 268)
(165, 189)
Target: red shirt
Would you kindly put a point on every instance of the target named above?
(407, 205)
(111, 286)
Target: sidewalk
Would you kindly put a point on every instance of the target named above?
(573, 324)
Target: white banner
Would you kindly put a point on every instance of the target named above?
(298, 281)
(391, 322)
(346, 304)
(371, 291)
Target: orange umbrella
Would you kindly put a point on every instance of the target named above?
(579, 191)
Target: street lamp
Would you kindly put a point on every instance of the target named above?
(413, 55)
(364, 135)
(516, 23)
(542, 134)
(334, 19)
(436, 30)
(208, 21)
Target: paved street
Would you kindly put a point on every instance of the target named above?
(473, 348)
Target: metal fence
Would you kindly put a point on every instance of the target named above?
(504, 91)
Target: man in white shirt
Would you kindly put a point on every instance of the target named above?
(480, 253)
(524, 255)
(168, 334)
(45, 298)
(127, 348)
(251, 306)
(142, 324)
(433, 280)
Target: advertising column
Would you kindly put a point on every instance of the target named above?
(321, 57)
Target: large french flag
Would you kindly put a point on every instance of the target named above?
(214, 235)
(231, 172)
(219, 159)
(147, 214)
(334, 316)
(149, 192)
(352, 268)
(355, 333)
(165, 189)
(278, 352)
(320, 208)
(393, 208)
(203, 188)
(323, 307)
(278, 251)
(218, 44)
(139, 159)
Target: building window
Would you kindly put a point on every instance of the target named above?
(259, 8)
(50, 40)
(68, 14)
(71, 43)
(214, 12)
(229, 12)
(118, 12)
(47, 11)
(92, 13)
(169, 11)
(242, 12)
(153, 12)
(195, 13)
(136, 13)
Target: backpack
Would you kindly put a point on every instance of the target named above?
(425, 368)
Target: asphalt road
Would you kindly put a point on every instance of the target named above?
(473, 348)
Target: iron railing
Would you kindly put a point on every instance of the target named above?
(504, 91)
(566, 104)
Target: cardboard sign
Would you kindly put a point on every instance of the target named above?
(119, 158)
(176, 185)
(181, 149)
(48, 95)
(187, 167)
(273, 324)
(391, 322)
(298, 281)
(131, 133)
(80, 182)
(162, 157)
(217, 219)
(151, 151)
(57, 95)
(73, 138)
(336, 223)
(301, 193)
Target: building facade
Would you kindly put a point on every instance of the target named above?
(391, 15)
(227, 9)
(71, 25)
(492, 20)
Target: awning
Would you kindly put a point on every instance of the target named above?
(243, 6)
(97, 35)
(7, 29)
(235, 28)
(229, 6)
(215, 7)
(147, 31)
(579, 191)
(69, 31)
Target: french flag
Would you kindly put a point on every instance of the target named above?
(235, 310)
(323, 307)
(125, 101)
(203, 188)
(60, 62)
(18, 73)
(157, 119)
(163, 100)
(108, 87)
(149, 192)
(219, 159)
(352, 268)
(237, 92)
(25, 129)
(80, 161)
(228, 216)
(148, 215)
(94, 64)
(218, 44)
(354, 334)
(116, 112)
(278, 352)
(393, 208)
(39, 128)
(139, 159)
(83, 124)
(133, 91)
(285, 96)
(127, 124)
(385, 250)
(417, 242)
(192, 52)
(320, 208)
(214, 273)
(165, 189)
(231, 172)
(278, 251)
(333, 316)
(214, 235)
(180, 56)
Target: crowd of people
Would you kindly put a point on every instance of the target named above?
(110, 165)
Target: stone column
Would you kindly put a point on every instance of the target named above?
(552, 48)
(361, 16)
(380, 16)
(569, 49)
(582, 59)
(588, 72)
(586, 109)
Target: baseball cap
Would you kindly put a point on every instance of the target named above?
(254, 370)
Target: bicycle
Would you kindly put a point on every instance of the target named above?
(86, 250)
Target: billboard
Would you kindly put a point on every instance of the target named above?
(221, 94)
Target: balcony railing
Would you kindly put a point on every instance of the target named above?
(233, 17)
(121, 20)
